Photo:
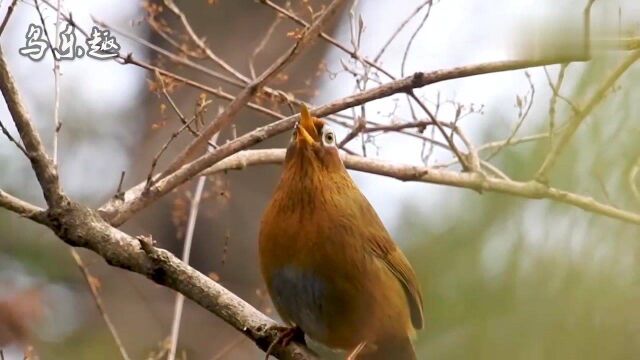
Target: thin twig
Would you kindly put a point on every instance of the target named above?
(466, 165)
(555, 88)
(119, 194)
(400, 27)
(229, 113)
(412, 38)
(275, 94)
(6, 133)
(182, 60)
(186, 252)
(186, 125)
(324, 36)
(515, 141)
(92, 284)
(199, 41)
(577, 119)
(522, 117)
(5, 21)
(57, 125)
(44, 28)
(263, 43)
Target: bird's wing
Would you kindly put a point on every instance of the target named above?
(384, 248)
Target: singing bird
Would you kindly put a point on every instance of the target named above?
(330, 266)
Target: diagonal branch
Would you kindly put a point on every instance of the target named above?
(80, 226)
(93, 288)
(41, 163)
(227, 116)
(6, 133)
(5, 21)
(578, 118)
(326, 37)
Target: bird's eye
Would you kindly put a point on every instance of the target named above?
(328, 138)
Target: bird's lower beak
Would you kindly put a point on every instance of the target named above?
(303, 136)
(306, 128)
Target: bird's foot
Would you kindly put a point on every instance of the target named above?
(286, 334)
(354, 354)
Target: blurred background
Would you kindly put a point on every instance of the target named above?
(503, 277)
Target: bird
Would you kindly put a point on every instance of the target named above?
(330, 266)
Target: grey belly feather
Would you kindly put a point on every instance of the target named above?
(299, 297)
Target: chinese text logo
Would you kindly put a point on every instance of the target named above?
(100, 44)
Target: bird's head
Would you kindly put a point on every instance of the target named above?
(313, 145)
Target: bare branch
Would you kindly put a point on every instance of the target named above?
(91, 283)
(245, 95)
(474, 181)
(200, 42)
(411, 39)
(57, 124)
(186, 253)
(5, 21)
(400, 27)
(326, 37)
(528, 99)
(186, 124)
(6, 133)
(117, 211)
(20, 207)
(576, 120)
(43, 167)
(80, 226)
(263, 43)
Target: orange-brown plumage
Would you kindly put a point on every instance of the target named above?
(330, 265)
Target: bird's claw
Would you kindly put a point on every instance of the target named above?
(286, 335)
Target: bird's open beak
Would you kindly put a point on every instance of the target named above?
(306, 129)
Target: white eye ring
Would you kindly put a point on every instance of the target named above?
(328, 137)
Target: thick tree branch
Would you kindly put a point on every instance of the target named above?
(82, 227)
(42, 165)
(472, 181)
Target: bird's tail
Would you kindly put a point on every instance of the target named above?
(397, 349)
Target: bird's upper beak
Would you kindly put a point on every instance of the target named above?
(307, 133)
